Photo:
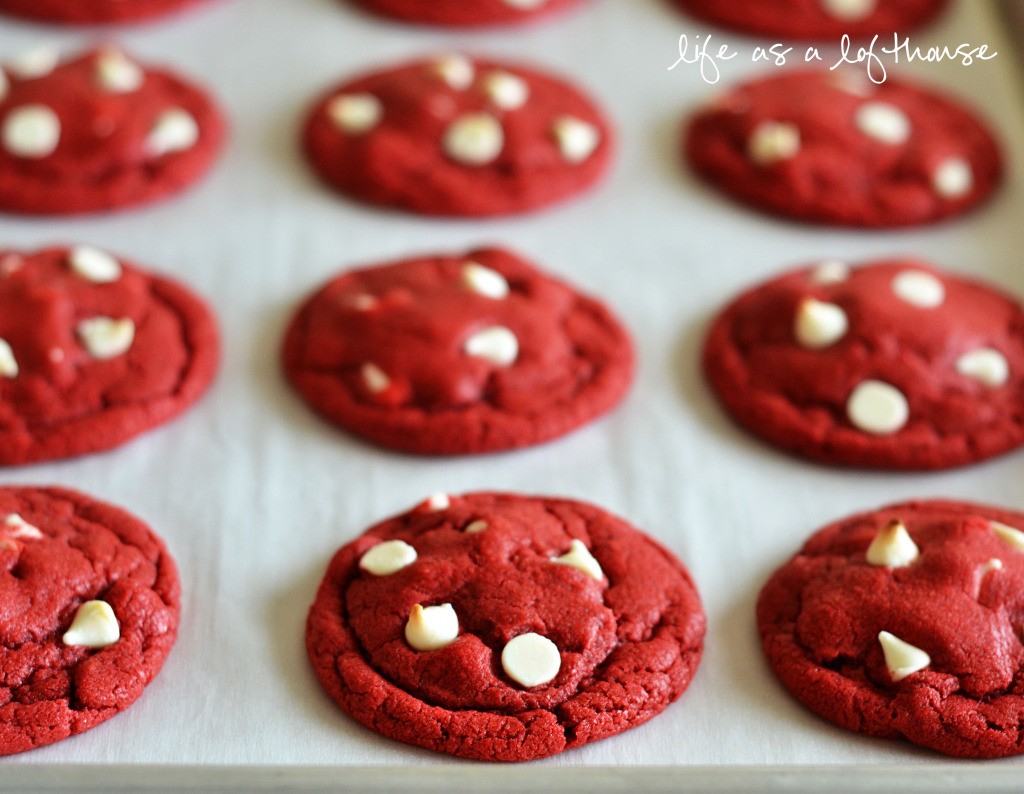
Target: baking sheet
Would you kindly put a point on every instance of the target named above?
(253, 493)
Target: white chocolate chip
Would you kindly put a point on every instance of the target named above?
(105, 337)
(484, 281)
(476, 527)
(431, 628)
(773, 141)
(579, 556)
(883, 122)
(819, 325)
(8, 364)
(849, 10)
(355, 113)
(902, 658)
(877, 408)
(20, 528)
(506, 90)
(953, 179)
(94, 626)
(893, 547)
(986, 365)
(576, 139)
(374, 378)
(531, 660)
(919, 289)
(94, 265)
(175, 130)
(995, 564)
(525, 5)
(31, 131)
(456, 70)
(118, 73)
(438, 502)
(1008, 534)
(388, 557)
(831, 271)
(474, 139)
(37, 62)
(496, 344)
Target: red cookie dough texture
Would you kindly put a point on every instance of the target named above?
(816, 19)
(893, 365)
(504, 628)
(455, 136)
(466, 13)
(90, 611)
(93, 352)
(834, 148)
(907, 623)
(99, 132)
(457, 354)
(85, 12)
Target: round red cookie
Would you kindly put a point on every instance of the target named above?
(91, 605)
(834, 148)
(457, 354)
(99, 132)
(548, 624)
(816, 19)
(86, 12)
(93, 352)
(466, 13)
(893, 365)
(455, 136)
(907, 622)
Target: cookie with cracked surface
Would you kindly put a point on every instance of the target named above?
(891, 365)
(453, 355)
(99, 132)
(94, 351)
(816, 19)
(454, 136)
(907, 622)
(504, 628)
(834, 148)
(91, 12)
(460, 13)
(91, 606)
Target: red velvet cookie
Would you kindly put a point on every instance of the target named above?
(465, 13)
(457, 354)
(893, 365)
(87, 12)
(504, 628)
(816, 19)
(907, 623)
(90, 611)
(94, 352)
(99, 132)
(458, 137)
(834, 148)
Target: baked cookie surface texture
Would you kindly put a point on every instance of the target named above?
(504, 628)
(90, 611)
(94, 351)
(455, 136)
(907, 622)
(835, 148)
(466, 13)
(99, 132)
(457, 354)
(87, 12)
(892, 365)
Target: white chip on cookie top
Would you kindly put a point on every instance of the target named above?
(831, 271)
(31, 131)
(94, 626)
(1009, 534)
(36, 62)
(995, 564)
(106, 337)
(579, 557)
(355, 114)
(431, 628)
(525, 5)
(531, 660)
(476, 527)
(986, 365)
(484, 281)
(374, 378)
(474, 139)
(388, 558)
(953, 179)
(456, 70)
(496, 344)
(8, 363)
(94, 265)
(819, 325)
(118, 73)
(902, 658)
(175, 130)
(849, 10)
(883, 122)
(577, 139)
(892, 547)
(877, 408)
(18, 527)
(773, 141)
(506, 90)
(438, 502)
(919, 289)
